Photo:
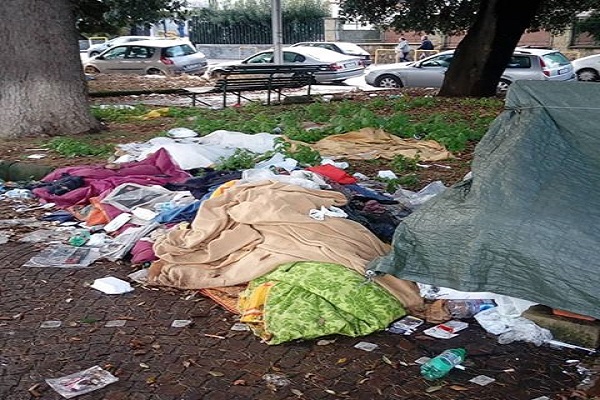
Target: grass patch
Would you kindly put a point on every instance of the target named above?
(70, 147)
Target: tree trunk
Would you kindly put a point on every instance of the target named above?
(42, 86)
(483, 54)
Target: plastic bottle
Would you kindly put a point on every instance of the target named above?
(468, 308)
(440, 365)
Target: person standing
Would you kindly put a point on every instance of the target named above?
(402, 50)
(425, 44)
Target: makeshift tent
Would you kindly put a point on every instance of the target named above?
(527, 224)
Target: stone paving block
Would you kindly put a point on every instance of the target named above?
(569, 330)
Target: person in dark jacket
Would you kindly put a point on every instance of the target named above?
(425, 44)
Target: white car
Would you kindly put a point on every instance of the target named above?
(340, 66)
(587, 68)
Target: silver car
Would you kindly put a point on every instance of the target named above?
(149, 57)
(340, 66)
(525, 64)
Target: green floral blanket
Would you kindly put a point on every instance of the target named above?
(305, 300)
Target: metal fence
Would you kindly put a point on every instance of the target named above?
(206, 32)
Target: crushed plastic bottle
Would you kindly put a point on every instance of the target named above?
(79, 239)
(440, 365)
(468, 308)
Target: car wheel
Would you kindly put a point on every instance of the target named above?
(588, 75)
(503, 86)
(91, 70)
(388, 81)
(154, 71)
(94, 53)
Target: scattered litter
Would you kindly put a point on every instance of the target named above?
(51, 324)
(4, 238)
(387, 174)
(337, 164)
(181, 323)
(111, 285)
(18, 194)
(542, 398)
(558, 343)
(446, 330)
(332, 211)
(115, 323)
(325, 342)
(276, 380)
(140, 276)
(143, 213)
(44, 236)
(482, 380)
(36, 156)
(117, 222)
(440, 365)
(178, 133)
(422, 360)
(116, 106)
(405, 326)
(239, 327)
(64, 256)
(82, 382)
(468, 308)
(360, 177)
(366, 346)
(79, 239)
(443, 166)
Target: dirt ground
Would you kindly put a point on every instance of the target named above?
(207, 360)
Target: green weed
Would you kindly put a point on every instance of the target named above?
(241, 159)
(118, 114)
(70, 147)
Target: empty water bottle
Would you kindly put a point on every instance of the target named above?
(468, 308)
(440, 365)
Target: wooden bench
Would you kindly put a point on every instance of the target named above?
(237, 79)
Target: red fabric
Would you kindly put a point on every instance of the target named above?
(333, 173)
(157, 169)
(142, 251)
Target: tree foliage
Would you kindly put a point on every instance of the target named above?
(455, 16)
(110, 15)
(259, 11)
(590, 25)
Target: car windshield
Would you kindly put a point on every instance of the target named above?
(351, 48)
(178, 51)
(555, 60)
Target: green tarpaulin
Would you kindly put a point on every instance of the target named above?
(527, 224)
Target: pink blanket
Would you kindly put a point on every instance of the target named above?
(157, 169)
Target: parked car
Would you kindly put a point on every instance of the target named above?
(525, 64)
(149, 57)
(341, 67)
(96, 49)
(347, 48)
(587, 68)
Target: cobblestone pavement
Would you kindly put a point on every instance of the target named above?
(207, 360)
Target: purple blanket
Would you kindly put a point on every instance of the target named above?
(157, 169)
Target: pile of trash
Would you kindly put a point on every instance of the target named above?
(292, 242)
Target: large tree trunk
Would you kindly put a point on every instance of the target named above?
(483, 54)
(42, 87)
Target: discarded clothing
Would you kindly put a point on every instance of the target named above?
(253, 228)
(207, 179)
(334, 173)
(370, 143)
(306, 300)
(157, 169)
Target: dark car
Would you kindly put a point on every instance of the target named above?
(347, 48)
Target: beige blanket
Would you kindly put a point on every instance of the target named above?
(370, 143)
(252, 228)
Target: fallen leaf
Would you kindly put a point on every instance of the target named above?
(432, 389)
(330, 391)
(156, 346)
(239, 382)
(144, 365)
(216, 373)
(297, 392)
(363, 380)
(139, 352)
(458, 388)
(187, 363)
(341, 360)
(151, 380)
(387, 360)
(34, 390)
